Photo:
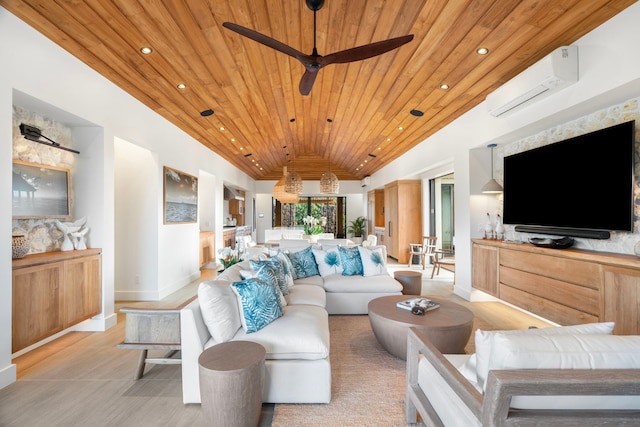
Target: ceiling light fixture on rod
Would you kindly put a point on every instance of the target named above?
(293, 181)
(34, 134)
(329, 183)
(492, 187)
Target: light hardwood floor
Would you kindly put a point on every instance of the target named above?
(82, 379)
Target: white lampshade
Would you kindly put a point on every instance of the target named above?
(492, 187)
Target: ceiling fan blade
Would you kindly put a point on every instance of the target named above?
(265, 40)
(363, 52)
(307, 80)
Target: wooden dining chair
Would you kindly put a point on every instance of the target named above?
(425, 250)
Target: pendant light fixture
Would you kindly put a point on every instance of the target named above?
(492, 187)
(293, 181)
(329, 183)
(280, 194)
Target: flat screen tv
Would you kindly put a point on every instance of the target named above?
(574, 186)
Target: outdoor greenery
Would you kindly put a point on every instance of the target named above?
(357, 227)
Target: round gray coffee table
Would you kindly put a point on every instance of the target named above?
(448, 327)
(231, 377)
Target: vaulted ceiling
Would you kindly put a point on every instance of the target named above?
(260, 121)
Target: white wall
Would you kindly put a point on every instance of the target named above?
(609, 74)
(33, 65)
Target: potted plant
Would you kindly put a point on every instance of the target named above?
(357, 229)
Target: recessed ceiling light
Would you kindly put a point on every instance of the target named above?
(182, 86)
(416, 113)
(379, 148)
(388, 139)
(146, 50)
(482, 51)
(205, 113)
(400, 128)
(221, 127)
(444, 86)
(234, 140)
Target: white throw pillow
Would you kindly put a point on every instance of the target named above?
(373, 262)
(578, 351)
(484, 341)
(219, 307)
(328, 261)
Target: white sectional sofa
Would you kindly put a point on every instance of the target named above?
(566, 376)
(298, 368)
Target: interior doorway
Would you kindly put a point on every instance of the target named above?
(442, 211)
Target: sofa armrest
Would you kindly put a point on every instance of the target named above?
(503, 385)
(193, 335)
(417, 346)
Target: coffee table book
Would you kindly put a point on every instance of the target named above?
(425, 303)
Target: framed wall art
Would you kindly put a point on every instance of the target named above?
(180, 197)
(40, 191)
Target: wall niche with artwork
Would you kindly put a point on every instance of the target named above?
(43, 181)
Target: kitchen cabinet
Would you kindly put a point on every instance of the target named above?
(53, 291)
(229, 238)
(403, 217)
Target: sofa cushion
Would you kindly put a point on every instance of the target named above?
(307, 294)
(373, 262)
(328, 261)
(350, 260)
(484, 340)
(232, 274)
(577, 351)
(311, 280)
(301, 333)
(259, 303)
(219, 307)
(304, 263)
(273, 269)
(361, 284)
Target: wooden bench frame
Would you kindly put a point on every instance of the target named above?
(493, 409)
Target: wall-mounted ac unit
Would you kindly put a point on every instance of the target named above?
(365, 181)
(555, 71)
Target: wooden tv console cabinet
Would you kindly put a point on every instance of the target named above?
(566, 286)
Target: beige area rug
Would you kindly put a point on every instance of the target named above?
(368, 384)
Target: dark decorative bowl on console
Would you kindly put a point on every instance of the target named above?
(562, 243)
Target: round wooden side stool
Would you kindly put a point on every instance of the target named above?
(411, 281)
(231, 377)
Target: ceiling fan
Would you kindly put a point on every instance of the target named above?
(314, 62)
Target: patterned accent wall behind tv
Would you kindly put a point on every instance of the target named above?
(620, 242)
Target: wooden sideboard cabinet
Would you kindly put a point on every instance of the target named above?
(566, 286)
(53, 291)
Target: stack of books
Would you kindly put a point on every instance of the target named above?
(423, 302)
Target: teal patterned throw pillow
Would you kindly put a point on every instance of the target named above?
(274, 269)
(304, 263)
(260, 303)
(351, 262)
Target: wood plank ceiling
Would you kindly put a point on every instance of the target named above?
(253, 90)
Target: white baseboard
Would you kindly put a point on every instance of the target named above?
(7, 375)
(98, 323)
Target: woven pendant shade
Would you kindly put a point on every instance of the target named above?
(329, 183)
(293, 183)
(280, 194)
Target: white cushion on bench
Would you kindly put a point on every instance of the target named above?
(484, 341)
